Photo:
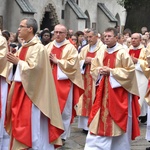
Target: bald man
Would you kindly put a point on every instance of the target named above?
(64, 61)
(139, 53)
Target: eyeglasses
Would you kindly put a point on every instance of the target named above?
(56, 32)
(22, 27)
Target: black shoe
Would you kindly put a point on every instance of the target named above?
(85, 131)
(143, 119)
(148, 148)
(63, 141)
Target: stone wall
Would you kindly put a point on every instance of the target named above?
(12, 13)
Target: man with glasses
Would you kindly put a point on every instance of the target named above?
(113, 118)
(63, 58)
(32, 106)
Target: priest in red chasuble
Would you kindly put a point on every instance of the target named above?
(139, 55)
(87, 53)
(113, 118)
(64, 61)
(33, 118)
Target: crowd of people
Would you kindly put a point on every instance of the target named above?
(49, 78)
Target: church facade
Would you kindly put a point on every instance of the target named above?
(74, 14)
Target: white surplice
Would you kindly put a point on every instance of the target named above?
(4, 137)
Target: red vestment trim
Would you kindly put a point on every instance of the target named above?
(112, 102)
(21, 115)
(54, 133)
(63, 86)
(135, 115)
(88, 86)
(135, 104)
(73, 43)
(97, 102)
(135, 53)
(21, 111)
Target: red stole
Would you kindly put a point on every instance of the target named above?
(135, 115)
(135, 53)
(88, 86)
(135, 104)
(72, 42)
(63, 86)
(112, 102)
(21, 114)
(21, 111)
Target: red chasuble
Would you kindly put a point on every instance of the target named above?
(135, 53)
(21, 111)
(21, 114)
(63, 86)
(88, 86)
(135, 104)
(113, 105)
(112, 102)
(135, 114)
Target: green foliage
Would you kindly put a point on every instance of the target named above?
(137, 13)
(132, 4)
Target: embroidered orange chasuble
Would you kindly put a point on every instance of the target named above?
(88, 86)
(112, 103)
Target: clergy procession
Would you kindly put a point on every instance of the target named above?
(50, 78)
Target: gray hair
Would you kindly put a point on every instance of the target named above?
(95, 32)
(31, 22)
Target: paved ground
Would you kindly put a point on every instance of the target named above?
(77, 139)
